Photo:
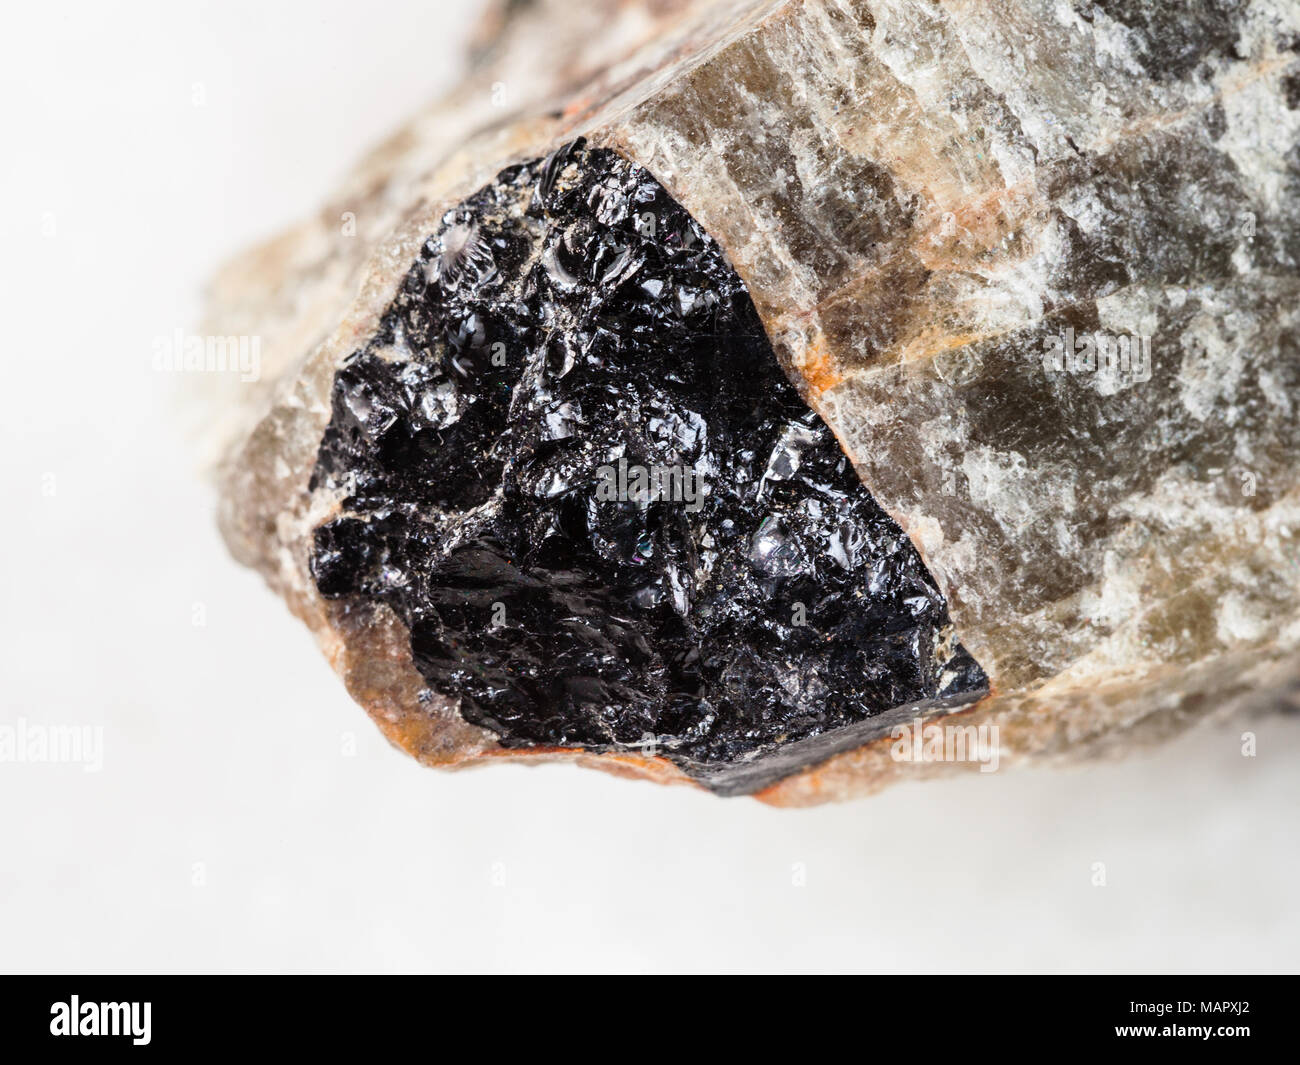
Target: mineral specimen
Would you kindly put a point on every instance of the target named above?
(573, 412)
(571, 465)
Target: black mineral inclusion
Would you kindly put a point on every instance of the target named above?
(567, 326)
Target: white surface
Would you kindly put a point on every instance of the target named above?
(223, 743)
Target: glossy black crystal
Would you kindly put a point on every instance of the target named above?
(570, 462)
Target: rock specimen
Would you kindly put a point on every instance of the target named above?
(576, 401)
(570, 464)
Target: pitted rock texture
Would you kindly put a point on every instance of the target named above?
(568, 330)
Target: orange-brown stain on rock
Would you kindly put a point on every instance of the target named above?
(818, 367)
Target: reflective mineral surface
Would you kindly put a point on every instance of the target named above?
(569, 462)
